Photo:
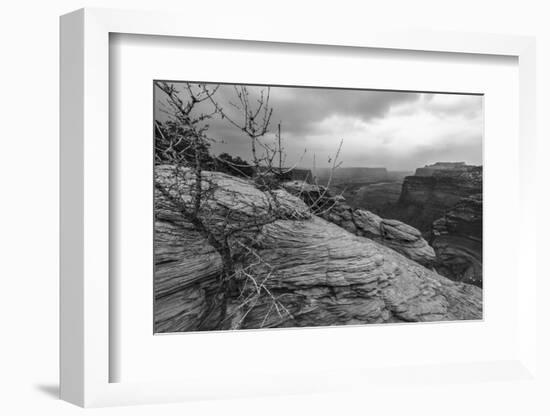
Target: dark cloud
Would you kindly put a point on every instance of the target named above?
(301, 109)
(389, 122)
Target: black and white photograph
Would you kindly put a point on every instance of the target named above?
(290, 206)
(227, 208)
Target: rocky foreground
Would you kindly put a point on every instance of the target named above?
(392, 233)
(312, 272)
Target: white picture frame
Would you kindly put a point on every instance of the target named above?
(85, 266)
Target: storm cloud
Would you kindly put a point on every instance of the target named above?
(396, 130)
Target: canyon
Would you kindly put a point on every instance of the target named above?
(442, 202)
(350, 175)
(434, 190)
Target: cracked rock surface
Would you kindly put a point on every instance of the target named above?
(395, 234)
(322, 273)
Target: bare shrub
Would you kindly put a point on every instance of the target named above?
(182, 143)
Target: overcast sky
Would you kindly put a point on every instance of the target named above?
(396, 130)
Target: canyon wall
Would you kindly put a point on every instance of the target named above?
(444, 201)
(426, 197)
(457, 240)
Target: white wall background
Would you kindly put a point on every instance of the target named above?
(29, 205)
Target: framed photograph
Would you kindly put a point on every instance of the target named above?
(274, 212)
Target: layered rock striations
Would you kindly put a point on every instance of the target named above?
(327, 276)
(395, 234)
(426, 197)
(429, 170)
(457, 241)
(320, 273)
(187, 264)
(444, 201)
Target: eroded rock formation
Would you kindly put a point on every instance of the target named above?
(429, 170)
(320, 273)
(435, 189)
(457, 240)
(395, 234)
